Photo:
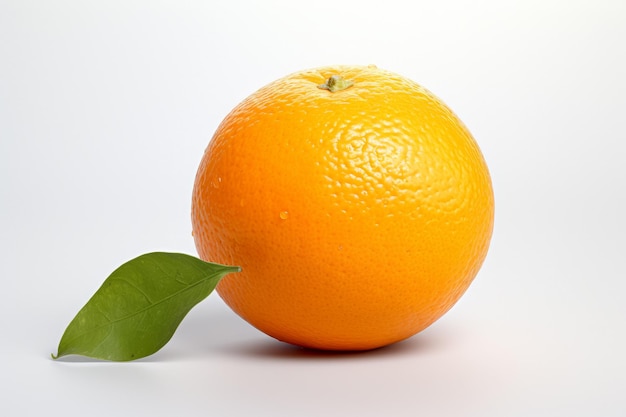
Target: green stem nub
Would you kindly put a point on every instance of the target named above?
(336, 83)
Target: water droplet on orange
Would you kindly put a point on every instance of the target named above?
(284, 215)
(215, 183)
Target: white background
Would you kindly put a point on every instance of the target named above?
(107, 106)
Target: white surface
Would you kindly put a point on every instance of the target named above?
(106, 108)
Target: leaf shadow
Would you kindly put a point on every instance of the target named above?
(78, 359)
(160, 356)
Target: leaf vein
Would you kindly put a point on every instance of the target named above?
(131, 284)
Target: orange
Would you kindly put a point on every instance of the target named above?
(359, 216)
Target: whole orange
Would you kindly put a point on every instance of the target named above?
(359, 216)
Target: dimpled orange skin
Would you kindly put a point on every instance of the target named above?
(359, 217)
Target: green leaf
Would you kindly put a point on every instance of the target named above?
(139, 306)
